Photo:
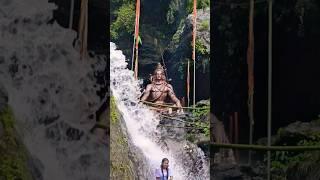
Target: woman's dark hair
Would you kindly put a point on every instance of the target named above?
(163, 160)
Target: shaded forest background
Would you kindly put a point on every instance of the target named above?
(296, 33)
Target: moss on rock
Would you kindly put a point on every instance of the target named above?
(114, 113)
(13, 159)
(121, 165)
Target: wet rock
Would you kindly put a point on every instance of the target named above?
(227, 171)
(1, 130)
(36, 168)
(293, 133)
(3, 98)
(188, 154)
(3, 104)
(173, 127)
(219, 136)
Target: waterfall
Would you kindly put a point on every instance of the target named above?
(51, 92)
(142, 125)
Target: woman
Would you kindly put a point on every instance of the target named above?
(164, 173)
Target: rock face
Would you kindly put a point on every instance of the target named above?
(121, 164)
(294, 132)
(219, 136)
(183, 37)
(298, 130)
(237, 172)
(3, 105)
(180, 50)
(203, 26)
(51, 92)
(295, 165)
(172, 127)
(3, 97)
(14, 159)
(173, 137)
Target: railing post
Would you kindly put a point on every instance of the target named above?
(71, 14)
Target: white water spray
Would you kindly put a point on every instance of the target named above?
(52, 93)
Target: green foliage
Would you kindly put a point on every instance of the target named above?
(202, 56)
(190, 137)
(281, 160)
(204, 26)
(201, 48)
(302, 163)
(198, 128)
(13, 158)
(122, 140)
(113, 111)
(201, 4)
(115, 5)
(308, 165)
(121, 166)
(204, 127)
(182, 68)
(177, 36)
(125, 170)
(199, 124)
(125, 20)
(174, 7)
(200, 115)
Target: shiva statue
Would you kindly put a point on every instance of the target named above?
(159, 90)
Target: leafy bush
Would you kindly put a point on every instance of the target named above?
(199, 123)
(201, 48)
(296, 164)
(125, 21)
(201, 4)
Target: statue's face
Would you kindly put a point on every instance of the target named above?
(159, 75)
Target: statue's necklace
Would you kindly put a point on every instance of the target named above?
(159, 86)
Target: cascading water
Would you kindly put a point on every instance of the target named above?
(186, 160)
(51, 92)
